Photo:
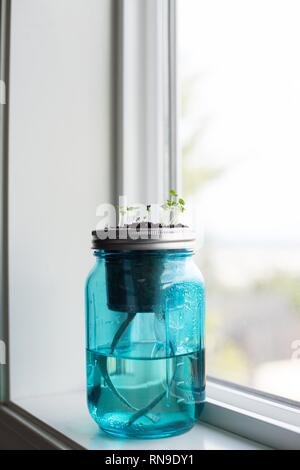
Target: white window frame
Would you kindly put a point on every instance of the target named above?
(153, 115)
(147, 100)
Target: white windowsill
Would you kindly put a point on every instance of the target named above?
(68, 414)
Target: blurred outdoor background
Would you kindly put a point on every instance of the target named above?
(239, 67)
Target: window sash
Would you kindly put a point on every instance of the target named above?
(254, 415)
(237, 404)
(147, 101)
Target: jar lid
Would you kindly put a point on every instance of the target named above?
(144, 237)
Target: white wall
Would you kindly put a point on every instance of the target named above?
(60, 169)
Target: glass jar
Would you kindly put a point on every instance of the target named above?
(145, 307)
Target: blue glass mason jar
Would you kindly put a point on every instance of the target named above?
(145, 310)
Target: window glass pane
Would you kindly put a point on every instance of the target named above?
(240, 118)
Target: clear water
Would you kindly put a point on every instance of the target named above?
(145, 397)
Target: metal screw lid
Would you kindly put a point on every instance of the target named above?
(144, 237)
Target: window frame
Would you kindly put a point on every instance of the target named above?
(257, 416)
(5, 9)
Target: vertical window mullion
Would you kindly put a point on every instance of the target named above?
(175, 175)
(147, 104)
